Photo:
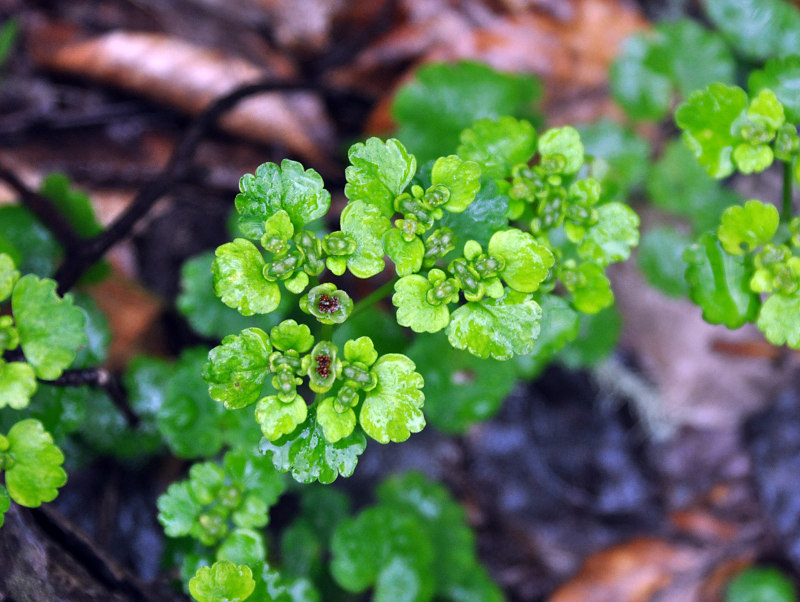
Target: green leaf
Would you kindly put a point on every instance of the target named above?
(239, 280)
(707, 120)
(8, 276)
(379, 171)
(559, 326)
(5, 504)
(461, 178)
(222, 582)
(561, 150)
(611, 238)
(752, 159)
(392, 410)
(72, 203)
(497, 145)
(366, 225)
(51, 328)
(526, 262)
(497, 328)
(35, 473)
(236, 369)
(272, 586)
(29, 243)
(679, 184)
(413, 309)
(758, 29)
(592, 291)
(660, 258)
(190, 421)
(454, 560)
(17, 384)
(782, 76)
(623, 152)
(335, 425)
(460, 389)
(291, 335)
(387, 549)
(206, 314)
(406, 256)
(720, 283)
(278, 418)
(752, 225)
(310, 457)
(758, 584)
(779, 319)
(679, 55)
(178, 508)
(642, 91)
(442, 100)
(361, 350)
(301, 193)
(243, 546)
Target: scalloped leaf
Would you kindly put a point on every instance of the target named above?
(527, 262)
(497, 328)
(301, 193)
(51, 328)
(758, 29)
(611, 238)
(461, 178)
(594, 293)
(36, 474)
(779, 319)
(497, 145)
(782, 76)
(443, 99)
(310, 457)
(458, 574)
(17, 384)
(222, 582)
(379, 171)
(8, 276)
(720, 283)
(291, 335)
(707, 119)
(406, 256)
(239, 280)
(484, 216)
(460, 389)
(278, 418)
(385, 548)
(236, 369)
(561, 150)
(335, 425)
(413, 309)
(392, 410)
(178, 508)
(366, 225)
(752, 225)
(205, 312)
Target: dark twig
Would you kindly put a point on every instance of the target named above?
(44, 209)
(99, 378)
(88, 253)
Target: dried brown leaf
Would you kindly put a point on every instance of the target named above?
(188, 77)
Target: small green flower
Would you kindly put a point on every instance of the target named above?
(327, 304)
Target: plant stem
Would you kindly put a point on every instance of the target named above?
(375, 296)
(786, 210)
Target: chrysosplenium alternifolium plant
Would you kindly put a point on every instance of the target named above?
(488, 245)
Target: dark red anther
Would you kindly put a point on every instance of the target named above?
(323, 365)
(328, 304)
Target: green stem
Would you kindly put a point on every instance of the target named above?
(786, 210)
(373, 297)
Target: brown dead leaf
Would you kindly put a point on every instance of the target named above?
(188, 77)
(131, 312)
(570, 50)
(637, 571)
